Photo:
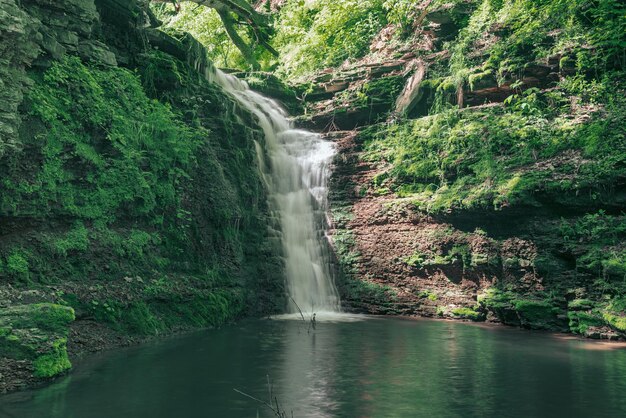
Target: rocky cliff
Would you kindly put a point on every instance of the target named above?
(130, 201)
(480, 172)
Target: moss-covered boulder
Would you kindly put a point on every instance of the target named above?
(533, 311)
(37, 333)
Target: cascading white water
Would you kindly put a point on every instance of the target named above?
(296, 176)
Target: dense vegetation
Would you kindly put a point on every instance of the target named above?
(313, 35)
(520, 115)
(130, 197)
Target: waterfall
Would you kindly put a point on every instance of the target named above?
(296, 175)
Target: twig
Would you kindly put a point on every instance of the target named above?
(276, 410)
(300, 310)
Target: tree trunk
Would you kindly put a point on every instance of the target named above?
(246, 50)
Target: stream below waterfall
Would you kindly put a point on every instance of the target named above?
(347, 367)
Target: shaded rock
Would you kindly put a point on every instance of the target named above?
(37, 334)
(411, 94)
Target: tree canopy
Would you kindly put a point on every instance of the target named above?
(235, 14)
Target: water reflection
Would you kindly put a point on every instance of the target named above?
(362, 367)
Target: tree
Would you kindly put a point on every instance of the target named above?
(234, 13)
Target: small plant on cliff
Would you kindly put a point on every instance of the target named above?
(17, 266)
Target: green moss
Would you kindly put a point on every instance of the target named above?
(540, 312)
(476, 79)
(17, 266)
(579, 322)
(485, 159)
(45, 316)
(53, 317)
(615, 313)
(54, 362)
(415, 260)
(369, 292)
(76, 239)
(447, 85)
(535, 312)
(11, 346)
(468, 313)
(428, 294)
(580, 305)
(37, 333)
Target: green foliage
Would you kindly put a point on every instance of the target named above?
(54, 362)
(428, 294)
(486, 158)
(402, 13)
(213, 309)
(344, 245)
(579, 322)
(592, 32)
(165, 310)
(76, 239)
(597, 240)
(468, 313)
(369, 292)
(416, 259)
(46, 316)
(615, 313)
(616, 321)
(206, 26)
(139, 319)
(17, 265)
(113, 166)
(580, 304)
(132, 151)
(322, 33)
(538, 311)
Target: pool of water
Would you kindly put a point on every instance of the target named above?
(346, 367)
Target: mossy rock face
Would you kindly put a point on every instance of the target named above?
(499, 304)
(54, 362)
(540, 314)
(532, 313)
(580, 322)
(45, 316)
(615, 314)
(468, 313)
(580, 305)
(37, 332)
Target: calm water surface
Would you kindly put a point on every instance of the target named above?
(370, 367)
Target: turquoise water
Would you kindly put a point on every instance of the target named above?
(367, 367)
